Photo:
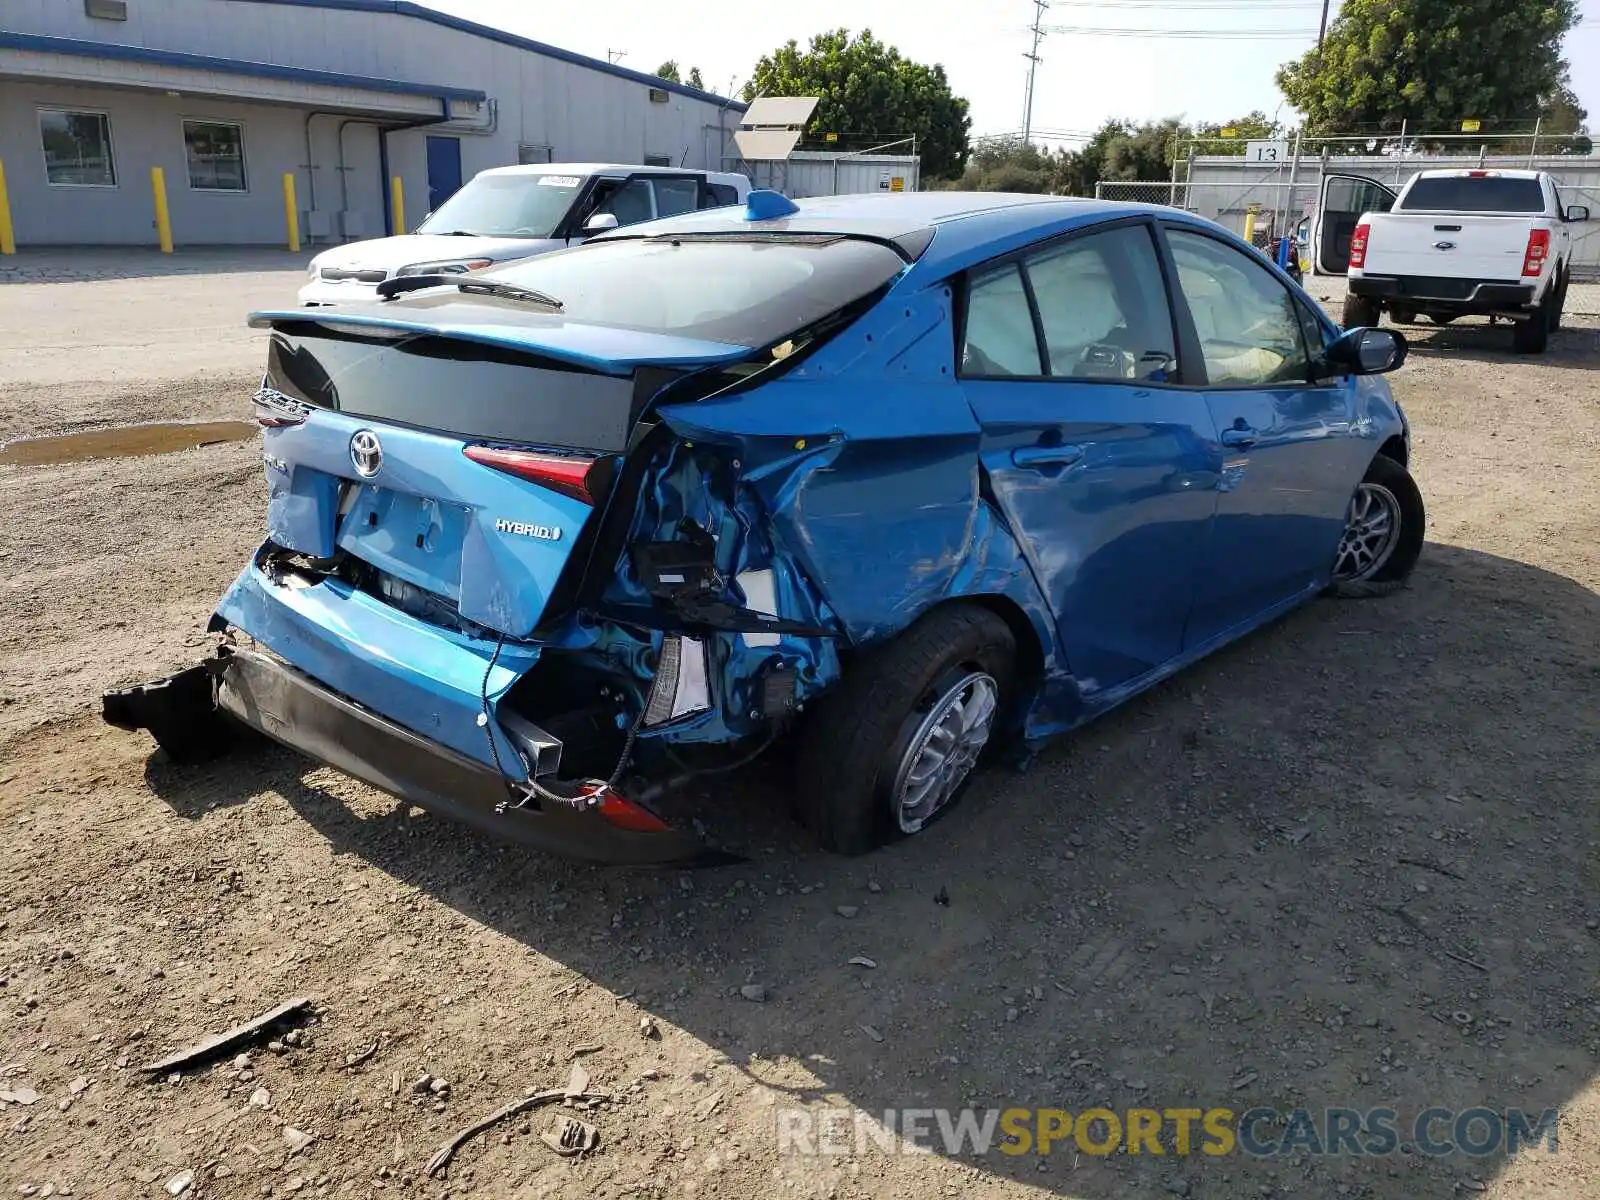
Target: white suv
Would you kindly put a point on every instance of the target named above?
(507, 213)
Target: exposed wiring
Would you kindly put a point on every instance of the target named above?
(532, 787)
(724, 768)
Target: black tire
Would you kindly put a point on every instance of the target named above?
(1441, 318)
(1404, 316)
(855, 736)
(1392, 576)
(1532, 334)
(1360, 312)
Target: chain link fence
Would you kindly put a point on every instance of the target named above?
(1230, 191)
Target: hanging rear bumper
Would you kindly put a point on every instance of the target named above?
(268, 695)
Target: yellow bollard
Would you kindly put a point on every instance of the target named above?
(158, 186)
(291, 212)
(8, 241)
(1250, 227)
(397, 205)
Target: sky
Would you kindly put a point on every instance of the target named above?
(1083, 79)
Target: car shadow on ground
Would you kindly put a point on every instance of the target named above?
(1346, 863)
(1476, 340)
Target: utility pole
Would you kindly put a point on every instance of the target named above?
(1033, 58)
(1323, 32)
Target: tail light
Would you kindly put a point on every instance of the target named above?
(1538, 251)
(1358, 245)
(273, 410)
(568, 475)
(625, 814)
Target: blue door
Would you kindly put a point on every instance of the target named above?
(1102, 464)
(444, 170)
(1290, 457)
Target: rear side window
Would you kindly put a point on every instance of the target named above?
(719, 195)
(1467, 194)
(1092, 307)
(744, 289)
(1000, 336)
(676, 196)
(1103, 307)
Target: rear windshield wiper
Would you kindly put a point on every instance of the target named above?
(398, 286)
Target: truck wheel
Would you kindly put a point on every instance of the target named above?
(1404, 316)
(1360, 312)
(1532, 334)
(1441, 318)
(1561, 303)
(1383, 532)
(894, 745)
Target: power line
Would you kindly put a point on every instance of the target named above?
(1211, 34)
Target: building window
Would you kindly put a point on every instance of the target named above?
(658, 160)
(77, 148)
(215, 150)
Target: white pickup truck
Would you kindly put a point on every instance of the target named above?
(1457, 242)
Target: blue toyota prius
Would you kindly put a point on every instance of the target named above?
(898, 481)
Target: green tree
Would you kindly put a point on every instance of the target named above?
(695, 79)
(669, 71)
(1255, 126)
(869, 93)
(1431, 63)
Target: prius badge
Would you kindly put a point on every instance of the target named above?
(548, 533)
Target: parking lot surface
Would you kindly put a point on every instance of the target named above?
(1348, 863)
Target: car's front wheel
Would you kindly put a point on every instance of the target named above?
(1383, 532)
(895, 744)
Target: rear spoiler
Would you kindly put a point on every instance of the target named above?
(603, 348)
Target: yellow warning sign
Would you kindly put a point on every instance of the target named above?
(1471, 125)
(897, 183)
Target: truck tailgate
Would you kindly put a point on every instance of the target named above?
(1447, 246)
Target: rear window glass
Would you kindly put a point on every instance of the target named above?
(750, 290)
(1465, 194)
(454, 387)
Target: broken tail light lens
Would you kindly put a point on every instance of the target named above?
(566, 474)
(625, 814)
(681, 684)
(273, 410)
(1358, 244)
(1538, 251)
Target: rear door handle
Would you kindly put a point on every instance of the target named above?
(1240, 436)
(1046, 456)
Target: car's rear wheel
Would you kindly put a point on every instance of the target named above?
(1441, 318)
(1360, 312)
(1404, 316)
(894, 746)
(1383, 532)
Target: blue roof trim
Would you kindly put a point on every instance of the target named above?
(405, 8)
(43, 44)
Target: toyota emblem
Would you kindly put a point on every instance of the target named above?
(366, 452)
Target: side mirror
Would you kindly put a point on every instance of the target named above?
(1366, 351)
(600, 222)
(1577, 212)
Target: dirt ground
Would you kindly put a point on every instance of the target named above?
(1349, 862)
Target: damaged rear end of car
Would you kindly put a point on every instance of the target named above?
(509, 576)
